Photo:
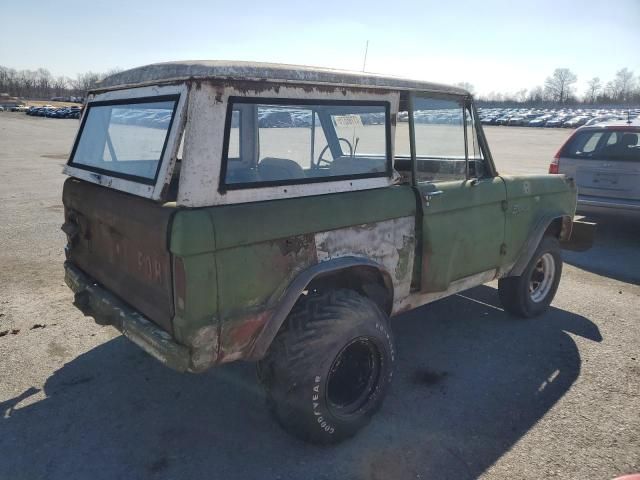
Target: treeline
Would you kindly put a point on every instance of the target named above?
(40, 84)
(559, 90)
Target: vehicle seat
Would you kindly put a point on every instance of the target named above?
(240, 172)
(271, 168)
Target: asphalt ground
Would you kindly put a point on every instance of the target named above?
(476, 393)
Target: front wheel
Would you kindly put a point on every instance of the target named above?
(531, 293)
(330, 368)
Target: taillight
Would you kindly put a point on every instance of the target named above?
(554, 166)
(179, 283)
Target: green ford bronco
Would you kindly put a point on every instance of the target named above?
(222, 211)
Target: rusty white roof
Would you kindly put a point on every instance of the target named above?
(269, 72)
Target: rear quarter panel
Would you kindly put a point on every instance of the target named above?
(235, 281)
(532, 202)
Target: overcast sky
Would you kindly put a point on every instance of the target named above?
(495, 45)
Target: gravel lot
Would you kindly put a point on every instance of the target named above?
(477, 394)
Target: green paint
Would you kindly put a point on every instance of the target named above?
(245, 224)
(530, 199)
(235, 258)
(463, 229)
(238, 262)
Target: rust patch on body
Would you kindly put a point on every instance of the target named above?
(293, 245)
(239, 338)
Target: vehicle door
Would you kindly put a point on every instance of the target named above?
(461, 197)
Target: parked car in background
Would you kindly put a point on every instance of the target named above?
(600, 119)
(604, 160)
(567, 117)
(576, 122)
(49, 111)
(555, 122)
(539, 121)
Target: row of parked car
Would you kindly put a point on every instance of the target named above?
(50, 111)
(566, 117)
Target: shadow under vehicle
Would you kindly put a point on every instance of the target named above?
(470, 382)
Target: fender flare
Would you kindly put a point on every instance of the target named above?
(295, 289)
(524, 257)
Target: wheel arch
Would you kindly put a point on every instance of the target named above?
(363, 275)
(557, 225)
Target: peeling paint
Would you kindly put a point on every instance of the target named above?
(204, 348)
(391, 243)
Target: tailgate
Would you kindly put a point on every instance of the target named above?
(121, 241)
(614, 179)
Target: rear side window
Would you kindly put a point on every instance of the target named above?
(288, 141)
(604, 144)
(125, 139)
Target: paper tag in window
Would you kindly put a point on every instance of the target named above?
(348, 120)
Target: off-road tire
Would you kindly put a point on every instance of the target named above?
(515, 292)
(335, 347)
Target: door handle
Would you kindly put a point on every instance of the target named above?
(429, 195)
(435, 193)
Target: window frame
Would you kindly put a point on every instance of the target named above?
(126, 101)
(468, 106)
(489, 167)
(233, 100)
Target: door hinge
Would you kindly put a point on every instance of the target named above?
(504, 205)
(503, 249)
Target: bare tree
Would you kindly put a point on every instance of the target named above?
(521, 95)
(559, 84)
(593, 89)
(623, 84)
(60, 86)
(85, 81)
(536, 95)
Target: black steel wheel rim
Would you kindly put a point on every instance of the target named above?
(354, 377)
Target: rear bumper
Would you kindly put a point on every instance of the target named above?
(608, 206)
(107, 309)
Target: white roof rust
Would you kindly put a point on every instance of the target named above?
(168, 72)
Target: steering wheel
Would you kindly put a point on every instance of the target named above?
(322, 160)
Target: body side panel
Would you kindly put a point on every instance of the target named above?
(533, 202)
(260, 248)
(463, 229)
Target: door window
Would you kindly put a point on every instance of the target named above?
(476, 159)
(439, 139)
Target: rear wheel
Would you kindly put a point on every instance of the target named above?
(329, 370)
(531, 293)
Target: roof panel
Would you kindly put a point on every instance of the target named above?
(270, 72)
